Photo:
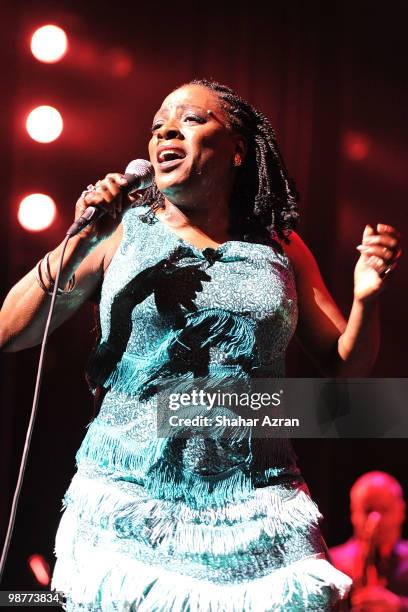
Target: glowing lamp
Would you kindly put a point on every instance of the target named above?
(49, 44)
(44, 124)
(40, 569)
(36, 212)
(357, 146)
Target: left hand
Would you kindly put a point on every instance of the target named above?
(379, 255)
(374, 599)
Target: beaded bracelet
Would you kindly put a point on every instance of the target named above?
(50, 289)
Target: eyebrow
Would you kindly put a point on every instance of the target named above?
(180, 107)
(207, 112)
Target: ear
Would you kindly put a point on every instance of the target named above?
(240, 150)
(241, 146)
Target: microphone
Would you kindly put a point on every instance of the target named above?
(371, 524)
(369, 573)
(138, 173)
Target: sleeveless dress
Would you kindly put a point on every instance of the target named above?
(198, 524)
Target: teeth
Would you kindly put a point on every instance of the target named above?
(170, 154)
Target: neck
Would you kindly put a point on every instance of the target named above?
(212, 219)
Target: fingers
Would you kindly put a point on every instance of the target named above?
(368, 231)
(388, 229)
(381, 239)
(381, 250)
(106, 191)
(381, 266)
(111, 185)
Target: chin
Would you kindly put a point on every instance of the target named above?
(175, 187)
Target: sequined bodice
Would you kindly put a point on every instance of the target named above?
(160, 280)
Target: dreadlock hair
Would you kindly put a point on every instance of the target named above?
(264, 198)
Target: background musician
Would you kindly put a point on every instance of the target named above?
(376, 557)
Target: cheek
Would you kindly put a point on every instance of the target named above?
(358, 519)
(216, 153)
(214, 143)
(151, 151)
(391, 519)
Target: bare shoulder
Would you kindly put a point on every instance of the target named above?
(301, 257)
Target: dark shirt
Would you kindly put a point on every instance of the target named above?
(394, 569)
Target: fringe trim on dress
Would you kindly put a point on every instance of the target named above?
(167, 525)
(163, 477)
(309, 584)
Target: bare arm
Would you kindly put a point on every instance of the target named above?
(340, 347)
(25, 309)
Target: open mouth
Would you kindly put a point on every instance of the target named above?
(168, 157)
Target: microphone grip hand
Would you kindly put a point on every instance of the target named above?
(100, 208)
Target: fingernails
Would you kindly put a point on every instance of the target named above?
(362, 248)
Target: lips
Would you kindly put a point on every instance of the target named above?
(167, 155)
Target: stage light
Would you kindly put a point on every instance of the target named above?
(36, 212)
(40, 569)
(119, 62)
(356, 145)
(44, 124)
(49, 44)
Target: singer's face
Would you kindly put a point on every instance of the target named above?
(389, 515)
(192, 147)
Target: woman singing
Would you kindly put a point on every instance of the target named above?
(202, 277)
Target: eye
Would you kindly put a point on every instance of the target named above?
(195, 118)
(156, 126)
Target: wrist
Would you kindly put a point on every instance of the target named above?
(366, 303)
(76, 251)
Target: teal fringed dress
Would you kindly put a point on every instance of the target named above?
(189, 525)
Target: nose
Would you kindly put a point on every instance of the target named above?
(169, 130)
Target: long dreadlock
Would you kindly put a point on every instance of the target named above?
(264, 198)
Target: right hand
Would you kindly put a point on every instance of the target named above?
(107, 194)
(375, 599)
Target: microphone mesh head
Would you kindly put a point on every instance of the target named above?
(142, 170)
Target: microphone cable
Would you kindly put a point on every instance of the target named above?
(139, 174)
(30, 428)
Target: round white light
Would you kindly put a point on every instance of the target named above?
(49, 44)
(44, 124)
(36, 212)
